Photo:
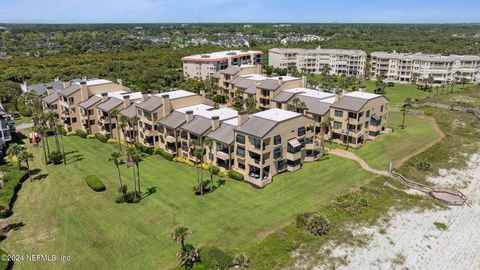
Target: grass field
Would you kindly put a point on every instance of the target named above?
(62, 215)
(399, 144)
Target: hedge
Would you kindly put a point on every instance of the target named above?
(101, 137)
(215, 170)
(235, 175)
(71, 133)
(112, 141)
(90, 136)
(13, 182)
(184, 161)
(164, 154)
(95, 183)
(81, 133)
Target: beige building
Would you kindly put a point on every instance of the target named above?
(357, 117)
(413, 67)
(340, 62)
(203, 66)
(66, 102)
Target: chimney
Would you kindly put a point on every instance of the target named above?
(259, 69)
(120, 82)
(189, 115)
(84, 90)
(362, 89)
(104, 97)
(304, 81)
(66, 84)
(57, 79)
(338, 95)
(144, 96)
(242, 117)
(126, 101)
(166, 105)
(215, 122)
(280, 80)
(50, 90)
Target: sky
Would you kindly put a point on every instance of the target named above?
(240, 11)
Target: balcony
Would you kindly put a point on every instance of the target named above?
(223, 155)
(170, 139)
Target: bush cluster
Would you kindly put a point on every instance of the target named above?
(184, 161)
(13, 180)
(423, 166)
(90, 136)
(127, 197)
(159, 151)
(101, 137)
(235, 175)
(223, 174)
(315, 223)
(71, 133)
(55, 157)
(350, 203)
(215, 258)
(95, 183)
(145, 149)
(81, 133)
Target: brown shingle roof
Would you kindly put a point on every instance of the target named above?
(110, 104)
(150, 104)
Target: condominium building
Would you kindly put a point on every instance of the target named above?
(66, 102)
(272, 141)
(340, 62)
(6, 128)
(413, 67)
(203, 66)
(357, 117)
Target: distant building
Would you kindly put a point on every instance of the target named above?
(203, 66)
(6, 128)
(412, 67)
(340, 62)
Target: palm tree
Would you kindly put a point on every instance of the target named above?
(406, 104)
(131, 151)
(44, 118)
(52, 119)
(137, 158)
(297, 106)
(180, 234)
(124, 122)
(195, 145)
(26, 156)
(134, 121)
(62, 145)
(187, 256)
(323, 126)
(43, 130)
(14, 151)
(209, 143)
(114, 113)
(116, 158)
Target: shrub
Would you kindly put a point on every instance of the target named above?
(81, 133)
(13, 182)
(301, 220)
(215, 170)
(215, 258)
(101, 137)
(423, 166)
(63, 131)
(223, 174)
(221, 99)
(95, 183)
(145, 149)
(55, 157)
(90, 136)
(204, 166)
(164, 154)
(235, 175)
(71, 133)
(184, 161)
(350, 203)
(241, 261)
(112, 141)
(317, 224)
(390, 84)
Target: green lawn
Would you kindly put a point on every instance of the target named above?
(398, 93)
(22, 119)
(62, 215)
(399, 144)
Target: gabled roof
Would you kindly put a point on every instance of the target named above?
(231, 70)
(283, 96)
(130, 111)
(257, 126)
(173, 120)
(150, 104)
(350, 103)
(110, 104)
(51, 98)
(90, 102)
(41, 88)
(223, 134)
(315, 106)
(199, 125)
(269, 84)
(69, 90)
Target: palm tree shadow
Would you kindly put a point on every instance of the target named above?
(40, 177)
(149, 192)
(74, 158)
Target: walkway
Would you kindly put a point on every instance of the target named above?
(455, 108)
(23, 126)
(446, 195)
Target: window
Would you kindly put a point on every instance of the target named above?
(74, 120)
(282, 165)
(255, 141)
(309, 140)
(241, 165)
(301, 131)
(277, 153)
(92, 122)
(338, 113)
(184, 135)
(302, 142)
(317, 118)
(381, 108)
(293, 163)
(161, 129)
(337, 125)
(294, 150)
(155, 116)
(139, 112)
(277, 139)
(254, 155)
(366, 124)
(240, 151)
(240, 139)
